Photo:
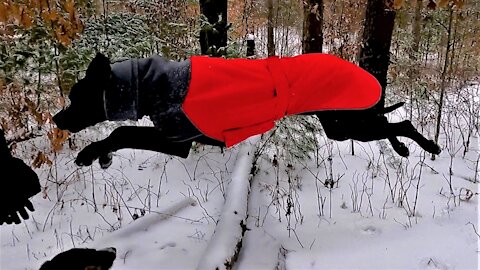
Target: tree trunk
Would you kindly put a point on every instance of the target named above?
(250, 45)
(444, 78)
(377, 38)
(417, 26)
(414, 51)
(270, 36)
(213, 35)
(312, 26)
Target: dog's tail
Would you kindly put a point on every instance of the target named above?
(393, 107)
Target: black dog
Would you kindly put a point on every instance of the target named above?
(371, 124)
(157, 88)
(82, 259)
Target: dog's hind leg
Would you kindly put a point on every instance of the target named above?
(406, 129)
(399, 147)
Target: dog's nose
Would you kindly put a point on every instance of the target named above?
(111, 249)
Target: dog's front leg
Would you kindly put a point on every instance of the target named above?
(96, 150)
(145, 138)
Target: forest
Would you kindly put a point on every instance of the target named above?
(301, 200)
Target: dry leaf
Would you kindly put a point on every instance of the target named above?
(61, 101)
(70, 6)
(397, 4)
(465, 194)
(57, 138)
(443, 3)
(459, 3)
(26, 18)
(53, 15)
(41, 159)
(3, 12)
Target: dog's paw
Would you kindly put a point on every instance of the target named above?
(105, 160)
(433, 148)
(401, 149)
(89, 154)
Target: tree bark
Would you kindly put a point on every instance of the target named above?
(250, 45)
(312, 26)
(270, 33)
(444, 77)
(377, 38)
(213, 36)
(416, 31)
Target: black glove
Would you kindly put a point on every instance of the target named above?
(19, 183)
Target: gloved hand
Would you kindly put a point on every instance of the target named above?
(18, 182)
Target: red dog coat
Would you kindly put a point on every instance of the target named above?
(232, 99)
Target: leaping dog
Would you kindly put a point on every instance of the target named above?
(222, 102)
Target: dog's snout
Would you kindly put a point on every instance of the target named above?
(110, 249)
(58, 119)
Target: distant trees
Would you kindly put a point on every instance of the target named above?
(46, 45)
(213, 33)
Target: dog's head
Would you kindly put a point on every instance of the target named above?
(82, 259)
(86, 98)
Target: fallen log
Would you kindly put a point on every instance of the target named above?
(226, 242)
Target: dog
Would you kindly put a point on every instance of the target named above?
(82, 259)
(222, 102)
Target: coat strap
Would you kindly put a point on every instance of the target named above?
(282, 88)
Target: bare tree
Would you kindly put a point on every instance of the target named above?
(443, 76)
(312, 26)
(377, 38)
(270, 33)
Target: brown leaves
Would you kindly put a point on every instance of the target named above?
(57, 138)
(3, 12)
(63, 20)
(41, 159)
(445, 3)
(397, 4)
(394, 4)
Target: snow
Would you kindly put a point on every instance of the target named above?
(186, 219)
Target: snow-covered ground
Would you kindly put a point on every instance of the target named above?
(367, 211)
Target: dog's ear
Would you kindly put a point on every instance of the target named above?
(99, 67)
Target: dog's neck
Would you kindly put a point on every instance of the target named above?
(121, 96)
(146, 87)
